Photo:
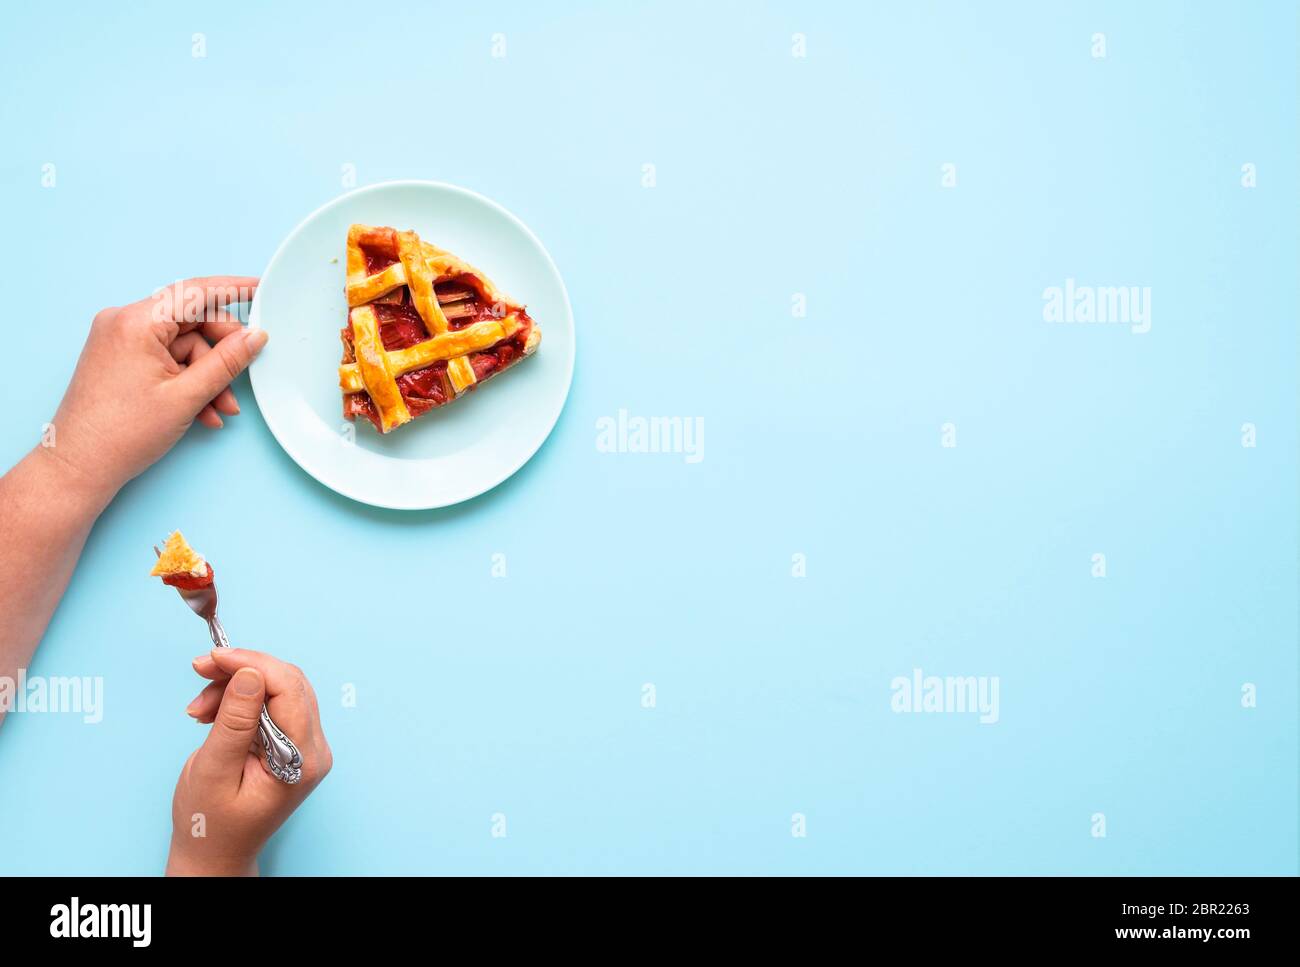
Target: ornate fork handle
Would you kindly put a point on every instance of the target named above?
(282, 756)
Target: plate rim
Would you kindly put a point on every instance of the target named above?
(420, 504)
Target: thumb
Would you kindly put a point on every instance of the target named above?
(212, 372)
(222, 755)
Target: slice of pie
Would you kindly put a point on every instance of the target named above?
(181, 566)
(424, 328)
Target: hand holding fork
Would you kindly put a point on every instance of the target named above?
(282, 757)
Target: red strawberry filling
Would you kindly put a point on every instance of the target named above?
(188, 582)
(400, 326)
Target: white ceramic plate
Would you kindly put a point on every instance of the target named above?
(456, 451)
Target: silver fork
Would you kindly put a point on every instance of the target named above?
(282, 756)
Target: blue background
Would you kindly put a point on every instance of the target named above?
(775, 175)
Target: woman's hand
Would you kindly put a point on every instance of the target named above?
(148, 371)
(227, 804)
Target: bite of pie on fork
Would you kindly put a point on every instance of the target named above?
(190, 574)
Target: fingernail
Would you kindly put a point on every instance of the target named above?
(256, 339)
(247, 682)
(195, 661)
(193, 708)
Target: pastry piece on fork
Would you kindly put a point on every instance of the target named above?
(186, 570)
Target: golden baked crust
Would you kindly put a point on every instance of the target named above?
(372, 367)
(179, 558)
(388, 269)
(447, 346)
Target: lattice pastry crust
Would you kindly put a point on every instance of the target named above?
(424, 328)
